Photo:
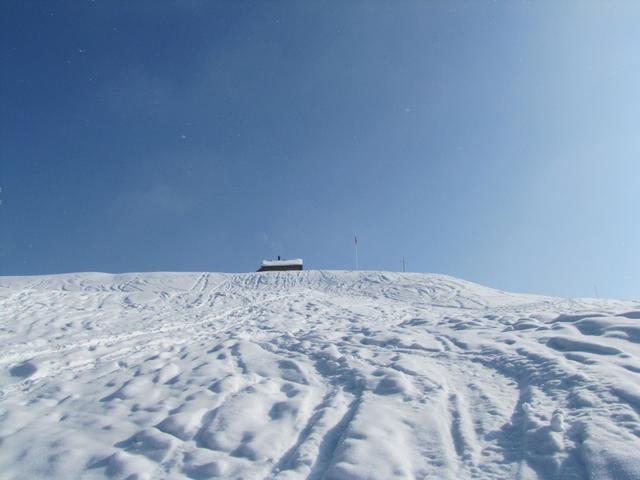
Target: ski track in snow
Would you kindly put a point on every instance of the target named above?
(313, 375)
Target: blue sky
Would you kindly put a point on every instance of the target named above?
(494, 141)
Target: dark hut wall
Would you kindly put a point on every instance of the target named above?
(276, 268)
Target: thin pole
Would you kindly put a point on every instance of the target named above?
(355, 240)
(403, 269)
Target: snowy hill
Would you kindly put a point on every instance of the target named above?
(314, 374)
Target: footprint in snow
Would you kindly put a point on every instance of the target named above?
(23, 370)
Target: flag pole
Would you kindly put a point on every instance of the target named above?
(355, 241)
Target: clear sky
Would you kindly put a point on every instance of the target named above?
(493, 141)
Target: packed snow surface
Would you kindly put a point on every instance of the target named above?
(312, 375)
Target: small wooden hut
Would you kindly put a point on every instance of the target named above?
(280, 265)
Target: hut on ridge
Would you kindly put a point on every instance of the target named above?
(280, 265)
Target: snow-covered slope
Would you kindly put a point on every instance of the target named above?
(314, 374)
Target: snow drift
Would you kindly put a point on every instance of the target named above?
(315, 374)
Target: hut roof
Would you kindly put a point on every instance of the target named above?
(282, 263)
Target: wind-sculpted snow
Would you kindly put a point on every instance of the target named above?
(312, 375)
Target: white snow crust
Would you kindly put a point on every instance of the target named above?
(313, 375)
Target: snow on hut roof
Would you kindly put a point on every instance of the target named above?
(281, 263)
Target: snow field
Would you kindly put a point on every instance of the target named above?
(312, 375)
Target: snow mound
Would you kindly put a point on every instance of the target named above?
(311, 375)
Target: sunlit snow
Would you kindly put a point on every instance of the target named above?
(314, 374)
